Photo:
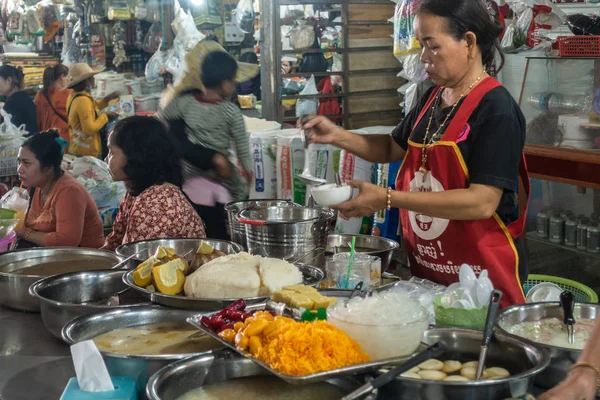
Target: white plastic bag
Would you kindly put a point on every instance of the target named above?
(18, 200)
(11, 136)
(154, 66)
(405, 42)
(308, 106)
(244, 16)
(94, 175)
(302, 35)
(185, 29)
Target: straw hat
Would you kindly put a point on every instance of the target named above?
(193, 60)
(81, 72)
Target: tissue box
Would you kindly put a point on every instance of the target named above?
(125, 389)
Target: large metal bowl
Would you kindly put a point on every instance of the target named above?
(313, 276)
(522, 358)
(14, 287)
(139, 367)
(61, 296)
(175, 380)
(561, 358)
(380, 247)
(181, 246)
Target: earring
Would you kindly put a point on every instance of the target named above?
(471, 57)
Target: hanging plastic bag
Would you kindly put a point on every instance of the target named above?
(507, 42)
(308, 106)
(405, 42)
(153, 38)
(314, 62)
(173, 61)
(329, 105)
(18, 200)
(155, 65)
(185, 29)
(3, 39)
(16, 23)
(244, 16)
(50, 18)
(302, 35)
(34, 24)
(11, 136)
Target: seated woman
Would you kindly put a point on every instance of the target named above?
(142, 155)
(62, 212)
(17, 102)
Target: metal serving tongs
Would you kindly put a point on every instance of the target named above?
(431, 352)
(488, 331)
(567, 301)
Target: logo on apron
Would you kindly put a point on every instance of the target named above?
(424, 226)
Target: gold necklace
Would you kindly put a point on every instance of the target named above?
(437, 135)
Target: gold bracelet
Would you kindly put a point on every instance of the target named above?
(584, 364)
(29, 232)
(389, 198)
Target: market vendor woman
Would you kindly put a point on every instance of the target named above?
(463, 153)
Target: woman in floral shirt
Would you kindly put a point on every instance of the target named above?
(142, 155)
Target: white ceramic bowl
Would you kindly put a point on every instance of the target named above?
(544, 292)
(331, 194)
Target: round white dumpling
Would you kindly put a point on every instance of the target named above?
(414, 370)
(456, 378)
(471, 373)
(451, 366)
(496, 373)
(473, 364)
(411, 375)
(432, 365)
(432, 375)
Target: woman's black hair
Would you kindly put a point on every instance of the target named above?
(152, 157)
(53, 73)
(471, 16)
(218, 67)
(15, 74)
(81, 86)
(47, 150)
(249, 57)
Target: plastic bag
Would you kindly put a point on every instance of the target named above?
(314, 62)
(16, 23)
(11, 136)
(405, 42)
(50, 18)
(244, 16)
(34, 24)
(95, 176)
(308, 106)
(153, 38)
(302, 36)
(329, 105)
(154, 66)
(174, 60)
(18, 200)
(185, 29)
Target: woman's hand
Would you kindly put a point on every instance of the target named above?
(319, 129)
(371, 198)
(112, 96)
(21, 232)
(579, 385)
(112, 115)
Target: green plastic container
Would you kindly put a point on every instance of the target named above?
(581, 292)
(444, 316)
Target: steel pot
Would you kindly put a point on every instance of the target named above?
(139, 367)
(380, 247)
(147, 248)
(237, 230)
(61, 296)
(523, 359)
(561, 359)
(287, 232)
(175, 380)
(14, 287)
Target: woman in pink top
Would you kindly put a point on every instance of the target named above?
(142, 155)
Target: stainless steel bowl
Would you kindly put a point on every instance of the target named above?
(14, 287)
(561, 358)
(380, 247)
(61, 296)
(181, 246)
(523, 359)
(312, 277)
(175, 380)
(139, 367)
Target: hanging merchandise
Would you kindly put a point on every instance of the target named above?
(314, 62)
(302, 35)
(535, 20)
(152, 11)
(155, 65)
(291, 13)
(34, 25)
(329, 105)
(26, 37)
(153, 38)
(405, 42)
(50, 19)
(185, 29)
(244, 16)
(16, 23)
(141, 12)
(119, 10)
(308, 106)
(173, 61)
(119, 31)
(207, 14)
(139, 35)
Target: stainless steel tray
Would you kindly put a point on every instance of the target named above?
(293, 379)
(312, 277)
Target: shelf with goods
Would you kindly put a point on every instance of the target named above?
(33, 65)
(366, 82)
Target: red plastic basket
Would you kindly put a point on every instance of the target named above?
(579, 46)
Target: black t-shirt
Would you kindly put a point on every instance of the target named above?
(492, 151)
(22, 110)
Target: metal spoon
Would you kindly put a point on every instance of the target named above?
(489, 330)
(122, 263)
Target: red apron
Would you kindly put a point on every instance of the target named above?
(438, 247)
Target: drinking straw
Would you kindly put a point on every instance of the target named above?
(352, 246)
